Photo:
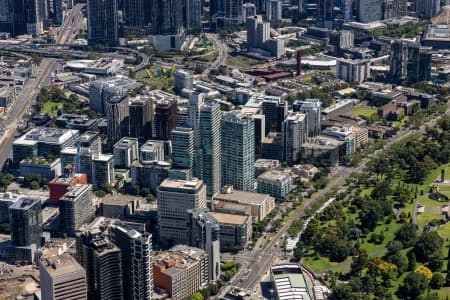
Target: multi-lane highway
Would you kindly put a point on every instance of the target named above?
(73, 23)
(222, 50)
(22, 103)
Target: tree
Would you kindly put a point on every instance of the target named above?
(437, 281)
(411, 261)
(429, 244)
(424, 271)
(413, 285)
(407, 234)
(298, 250)
(34, 185)
(360, 262)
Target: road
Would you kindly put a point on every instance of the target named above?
(221, 48)
(22, 103)
(258, 261)
(72, 25)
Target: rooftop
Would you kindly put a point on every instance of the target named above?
(230, 219)
(175, 184)
(290, 283)
(25, 203)
(228, 193)
(274, 175)
(177, 259)
(46, 135)
(62, 265)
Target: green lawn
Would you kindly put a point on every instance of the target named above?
(322, 264)
(425, 218)
(388, 230)
(430, 202)
(51, 108)
(241, 61)
(362, 112)
(443, 187)
(444, 232)
(155, 82)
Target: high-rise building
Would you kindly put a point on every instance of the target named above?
(152, 150)
(174, 198)
(428, 8)
(136, 13)
(181, 271)
(141, 117)
(325, 13)
(410, 61)
(370, 10)
(210, 120)
(193, 15)
(125, 151)
(62, 277)
(293, 136)
(167, 17)
(149, 174)
(102, 169)
(238, 150)
(339, 40)
(22, 16)
(273, 11)
(102, 261)
(258, 32)
(311, 108)
(347, 10)
(204, 232)
(165, 119)
(398, 60)
(182, 153)
(103, 24)
(182, 80)
(353, 70)
(419, 63)
(229, 13)
(75, 208)
(25, 219)
(275, 110)
(118, 116)
(99, 92)
(137, 266)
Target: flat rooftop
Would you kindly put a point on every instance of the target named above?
(62, 265)
(274, 175)
(242, 197)
(173, 184)
(230, 219)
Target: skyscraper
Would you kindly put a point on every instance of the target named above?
(204, 231)
(210, 120)
(325, 13)
(118, 116)
(182, 153)
(167, 17)
(275, 109)
(293, 136)
(175, 197)
(398, 60)
(193, 15)
(311, 108)
(165, 119)
(238, 150)
(428, 8)
(25, 217)
(273, 11)
(103, 264)
(102, 18)
(137, 265)
(141, 116)
(75, 207)
(419, 63)
(136, 13)
(22, 16)
(370, 10)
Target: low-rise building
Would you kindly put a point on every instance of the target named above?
(289, 282)
(181, 271)
(261, 204)
(119, 206)
(324, 150)
(361, 136)
(275, 183)
(47, 168)
(235, 231)
(152, 150)
(342, 134)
